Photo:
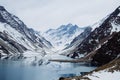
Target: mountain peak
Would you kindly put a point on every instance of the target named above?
(63, 35)
(16, 37)
(105, 29)
(69, 24)
(68, 27)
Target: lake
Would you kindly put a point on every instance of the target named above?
(17, 70)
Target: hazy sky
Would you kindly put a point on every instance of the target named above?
(45, 14)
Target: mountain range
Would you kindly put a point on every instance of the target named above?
(101, 34)
(62, 36)
(99, 44)
(16, 37)
(102, 48)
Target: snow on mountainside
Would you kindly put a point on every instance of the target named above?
(102, 48)
(104, 75)
(62, 36)
(16, 37)
(110, 71)
(75, 42)
(100, 34)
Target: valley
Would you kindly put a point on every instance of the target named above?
(69, 52)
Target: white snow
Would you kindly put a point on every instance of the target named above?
(32, 57)
(119, 8)
(60, 39)
(30, 54)
(2, 54)
(95, 25)
(119, 14)
(115, 27)
(35, 56)
(56, 56)
(104, 75)
(16, 36)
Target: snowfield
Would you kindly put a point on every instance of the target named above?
(104, 75)
(110, 73)
(62, 36)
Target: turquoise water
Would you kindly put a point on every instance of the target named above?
(16, 70)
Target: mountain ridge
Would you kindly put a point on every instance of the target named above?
(63, 35)
(110, 25)
(16, 37)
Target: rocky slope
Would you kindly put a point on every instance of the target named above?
(16, 37)
(108, 58)
(75, 42)
(104, 47)
(108, 51)
(62, 36)
(100, 34)
(110, 71)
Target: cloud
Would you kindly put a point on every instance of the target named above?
(44, 14)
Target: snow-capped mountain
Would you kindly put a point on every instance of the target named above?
(100, 34)
(77, 40)
(16, 37)
(102, 48)
(62, 36)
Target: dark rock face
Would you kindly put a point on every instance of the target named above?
(16, 37)
(17, 24)
(73, 55)
(77, 40)
(103, 31)
(3, 50)
(108, 51)
(9, 46)
(2, 8)
(61, 78)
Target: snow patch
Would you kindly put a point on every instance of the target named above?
(115, 28)
(119, 14)
(16, 36)
(104, 75)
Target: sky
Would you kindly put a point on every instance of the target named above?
(45, 14)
